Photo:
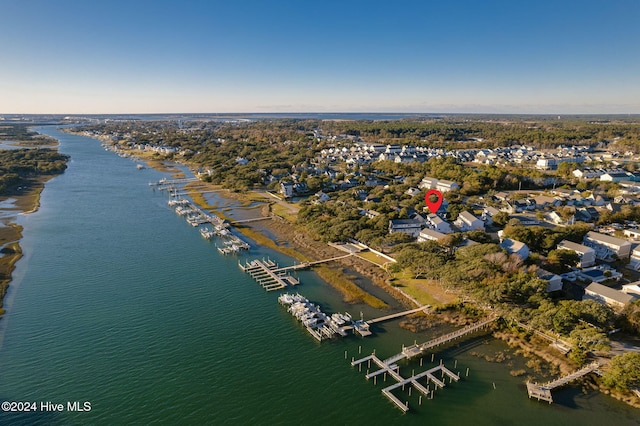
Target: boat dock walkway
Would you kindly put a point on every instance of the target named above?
(394, 372)
(417, 349)
(305, 265)
(166, 181)
(543, 392)
(399, 314)
(267, 274)
(253, 219)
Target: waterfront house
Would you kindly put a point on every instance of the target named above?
(607, 296)
(286, 189)
(430, 235)
(408, 226)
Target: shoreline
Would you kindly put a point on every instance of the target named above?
(300, 246)
(11, 232)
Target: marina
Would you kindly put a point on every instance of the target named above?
(196, 217)
(320, 325)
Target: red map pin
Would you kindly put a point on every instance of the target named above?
(428, 199)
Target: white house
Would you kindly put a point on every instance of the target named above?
(435, 222)
(446, 185)
(554, 282)
(615, 176)
(607, 296)
(407, 226)
(439, 184)
(606, 245)
(430, 235)
(488, 213)
(587, 254)
(632, 289)
(515, 247)
(468, 222)
(634, 261)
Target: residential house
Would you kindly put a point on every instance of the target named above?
(468, 222)
(634, 261)
(559, 220)
(587, 254)
(446, 185)
(554, 281)
(430, 235)
(428, 183)
(607, 296)
(412, 192)
(286, 189)
(606, 245)
(436, 222)
(543, 201)
(407, 226)
(322, 197)
(515, 247)
(614, 176)
(488, 213)
(632, 289)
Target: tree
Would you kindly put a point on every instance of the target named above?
(563, 259)
(500, 219)
(623, 372)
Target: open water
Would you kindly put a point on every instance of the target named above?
(120, 303)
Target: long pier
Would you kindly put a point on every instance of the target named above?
(543, 392)
(399, 314)
(253, 219)
(416, 349)
(393, 371)
(305, 265)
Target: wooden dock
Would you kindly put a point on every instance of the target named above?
(305, 265)
(543, 392)
(417, 349)
(393, 371)
(253, 219)
(267, 274)
(399, 314)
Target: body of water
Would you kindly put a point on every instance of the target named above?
(118, 302)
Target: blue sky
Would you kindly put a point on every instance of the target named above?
(95, 56)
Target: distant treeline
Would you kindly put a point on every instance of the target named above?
(17, 166)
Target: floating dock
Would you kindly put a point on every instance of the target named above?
(267, 274)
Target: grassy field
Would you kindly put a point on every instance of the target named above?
(373, 258)
(427, 292)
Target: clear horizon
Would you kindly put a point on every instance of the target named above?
(193, 57)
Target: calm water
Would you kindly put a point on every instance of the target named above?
(120, 303)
